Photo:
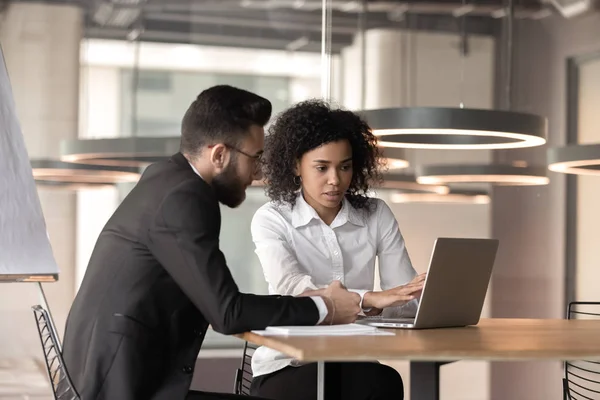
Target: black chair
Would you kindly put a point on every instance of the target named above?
(62, 387)
(582, 378)
(243, 375)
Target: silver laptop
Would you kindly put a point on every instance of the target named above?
(455, 287)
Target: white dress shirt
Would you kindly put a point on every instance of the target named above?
(299, 252)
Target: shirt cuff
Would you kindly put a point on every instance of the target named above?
(362, 297)
(321, 306)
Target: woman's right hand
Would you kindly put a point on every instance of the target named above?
(397, 296)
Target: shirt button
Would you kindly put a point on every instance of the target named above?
(187, 369)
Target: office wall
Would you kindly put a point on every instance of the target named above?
(529, 274)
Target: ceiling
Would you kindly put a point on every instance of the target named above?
(288, 24)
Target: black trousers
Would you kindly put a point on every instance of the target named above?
(347, 381)
(193, 395)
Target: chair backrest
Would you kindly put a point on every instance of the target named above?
(243, 375)
(62, 387)
(582, 378)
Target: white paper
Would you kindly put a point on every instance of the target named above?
(24, 245)
(322, 330)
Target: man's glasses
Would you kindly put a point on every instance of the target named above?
(256, 157)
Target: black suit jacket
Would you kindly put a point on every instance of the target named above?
(155, 281)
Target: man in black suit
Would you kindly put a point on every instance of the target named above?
(157, 279)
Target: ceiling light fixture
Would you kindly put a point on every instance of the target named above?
(73, 186)
(453, 197)
(407, 182)
(394, 158)
(122, 152)
(496, 174)
(72, 175)
(455, 128)
(578, 159)
(460, 128)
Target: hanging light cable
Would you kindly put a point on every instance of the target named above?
(578, 159)
(326, 16)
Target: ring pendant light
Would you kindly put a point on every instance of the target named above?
(408, 183)
(516, 123)
(63, 175)
(394, 158)
(498, 174)
(453, 197)
(578, 159)
(125, 151)
(458, 128)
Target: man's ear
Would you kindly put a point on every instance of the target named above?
(219, 155)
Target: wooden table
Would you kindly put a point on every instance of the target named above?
(491, 340)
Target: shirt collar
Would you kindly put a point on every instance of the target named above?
(195, 170)
(303, 213)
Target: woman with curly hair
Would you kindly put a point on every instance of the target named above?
(322, 226)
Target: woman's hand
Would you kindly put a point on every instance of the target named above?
(397, 296)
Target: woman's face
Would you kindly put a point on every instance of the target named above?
(326, 174)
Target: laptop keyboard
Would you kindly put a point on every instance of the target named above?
(387, 319)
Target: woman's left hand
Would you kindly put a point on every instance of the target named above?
(397, 296)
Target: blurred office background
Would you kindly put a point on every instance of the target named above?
(88, 74)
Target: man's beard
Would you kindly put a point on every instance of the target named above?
(229, 188)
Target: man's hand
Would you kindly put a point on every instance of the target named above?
(397, 296)
(342, 306)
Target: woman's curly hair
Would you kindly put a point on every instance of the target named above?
(311, 124)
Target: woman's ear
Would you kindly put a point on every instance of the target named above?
(297, 168)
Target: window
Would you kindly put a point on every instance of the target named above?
(163, 96)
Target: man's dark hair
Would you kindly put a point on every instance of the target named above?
(222, 114)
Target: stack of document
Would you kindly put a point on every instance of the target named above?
(322, 330)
